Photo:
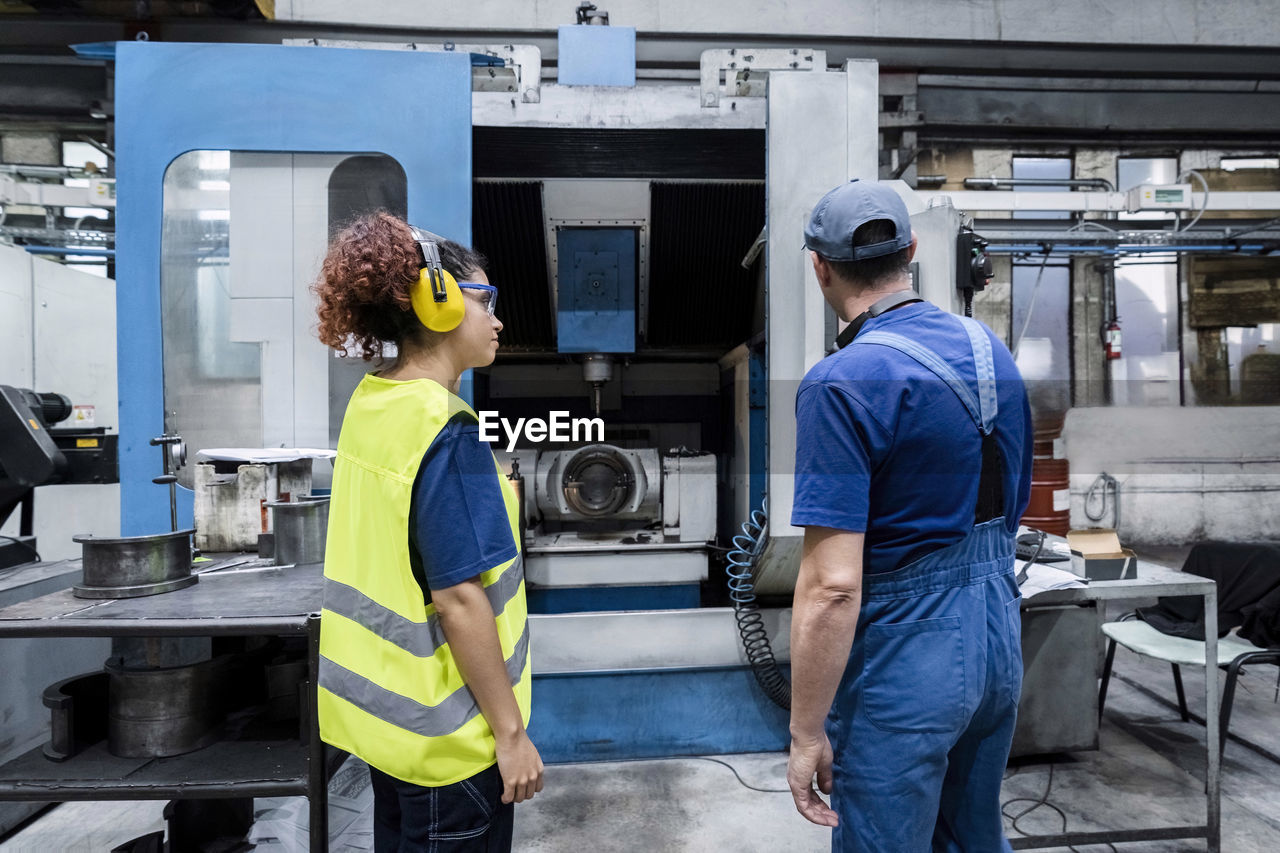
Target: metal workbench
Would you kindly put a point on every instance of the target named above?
(1154, 581)
(231, 601)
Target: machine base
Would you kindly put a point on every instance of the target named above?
(569, 561)
(613, 598)
(653, 714)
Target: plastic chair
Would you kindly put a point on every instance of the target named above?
(1139, 637)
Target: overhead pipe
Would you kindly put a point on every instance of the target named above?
(1100, 249)
(998, 183)
(35, 171)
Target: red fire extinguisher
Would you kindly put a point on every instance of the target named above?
(1111, 339)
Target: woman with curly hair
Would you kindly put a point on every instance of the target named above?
(424, 652)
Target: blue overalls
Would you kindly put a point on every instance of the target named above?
(923, 720)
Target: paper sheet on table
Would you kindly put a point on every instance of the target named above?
(1042, 578)
(265, 455)
(280, 824)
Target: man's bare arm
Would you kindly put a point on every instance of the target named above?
(824, 619)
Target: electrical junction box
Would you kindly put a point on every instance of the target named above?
(1160, 197)
(596, 56)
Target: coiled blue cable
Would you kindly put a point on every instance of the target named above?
(747, 548)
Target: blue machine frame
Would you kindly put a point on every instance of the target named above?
(174, 98)
(654, 713)
(416, 108)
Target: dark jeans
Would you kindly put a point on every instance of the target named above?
(465, 817)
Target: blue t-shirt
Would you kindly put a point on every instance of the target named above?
(458, 518)
(884, 447)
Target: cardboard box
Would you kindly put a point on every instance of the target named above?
(1097, 555)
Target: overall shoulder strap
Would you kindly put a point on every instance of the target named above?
(982, 408)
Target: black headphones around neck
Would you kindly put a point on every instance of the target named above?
(888, 303)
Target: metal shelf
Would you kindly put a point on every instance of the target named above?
(236, 600)
(246, 768)
(266, 600)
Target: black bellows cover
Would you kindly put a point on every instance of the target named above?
(506, 227)
(699, 293)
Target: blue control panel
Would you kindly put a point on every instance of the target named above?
(596, 56)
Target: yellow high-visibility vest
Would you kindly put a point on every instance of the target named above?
(389, 689)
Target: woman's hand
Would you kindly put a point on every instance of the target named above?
(520, 767)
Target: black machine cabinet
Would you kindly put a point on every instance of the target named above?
(35, 453)
(1058, 711)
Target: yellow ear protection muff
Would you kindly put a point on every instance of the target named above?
(435, 296)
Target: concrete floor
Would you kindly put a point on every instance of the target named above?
(1149, 771)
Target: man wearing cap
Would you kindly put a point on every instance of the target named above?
(913, 461)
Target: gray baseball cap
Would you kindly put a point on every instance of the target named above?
(847, 208)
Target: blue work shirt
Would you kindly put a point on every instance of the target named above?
(885, 448)
(458, 524)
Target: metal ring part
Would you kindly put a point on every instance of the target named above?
(597, 483)
(133, 566)
(154, 713)
(300, 528)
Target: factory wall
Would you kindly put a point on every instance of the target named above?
(1188, 469)
(1143, 22)
(58, 334)
(1185, 475)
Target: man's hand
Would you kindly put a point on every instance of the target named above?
(520, 767)
(809, 757)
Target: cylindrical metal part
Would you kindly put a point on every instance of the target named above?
(1048, 429)
(77, 714)
(597, 367)
(155, 713)
(300, 528)
(157, 652)
(1050, 506)
(597, 482)
(283, 679)
(998, 183)
(134, 566)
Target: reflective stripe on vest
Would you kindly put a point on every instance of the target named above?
(390, 691)
(451, 714)
(414, 637)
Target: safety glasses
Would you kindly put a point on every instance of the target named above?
(490, 293)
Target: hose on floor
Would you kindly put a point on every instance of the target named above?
(747, 548)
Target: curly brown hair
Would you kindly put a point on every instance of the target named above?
(365, 280)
